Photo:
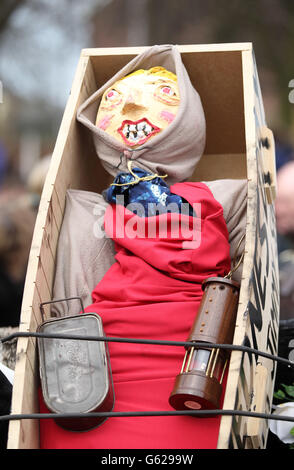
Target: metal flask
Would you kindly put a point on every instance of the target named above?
(75, 373)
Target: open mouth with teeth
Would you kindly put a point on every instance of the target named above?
(137, 132)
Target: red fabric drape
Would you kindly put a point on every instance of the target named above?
(152, 291)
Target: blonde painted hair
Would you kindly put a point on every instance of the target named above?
(158, 71)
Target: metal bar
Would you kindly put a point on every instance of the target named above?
(184, 361)
(214, 362)
(196, 344)
(190, 358)
(128, 414)
(209, 361)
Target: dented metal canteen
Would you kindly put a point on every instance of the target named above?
(75, 373)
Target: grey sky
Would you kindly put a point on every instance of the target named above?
(40, 49)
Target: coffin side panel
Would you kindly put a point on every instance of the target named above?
(251, 377)
(263, 305)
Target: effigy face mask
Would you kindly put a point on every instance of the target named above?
(139, 106)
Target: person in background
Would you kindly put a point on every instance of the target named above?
(285, 206)
(36, 179)
(285, 234)
(284, 151)
(18, 210)
(17, 219)
(3, 163)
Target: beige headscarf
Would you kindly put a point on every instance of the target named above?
(176, 150)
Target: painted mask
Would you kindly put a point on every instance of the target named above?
(139, 106)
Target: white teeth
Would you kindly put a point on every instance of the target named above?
(135, 132)
(148, 128)
(141, 126)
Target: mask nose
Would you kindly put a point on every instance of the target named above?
(133, 102)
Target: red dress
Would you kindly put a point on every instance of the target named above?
(153, 291)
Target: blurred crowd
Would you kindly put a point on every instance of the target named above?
(285, 231)
(19, 202)
(18, 209)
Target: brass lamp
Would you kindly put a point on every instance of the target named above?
(199, 384)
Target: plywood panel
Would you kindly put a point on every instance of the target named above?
(217, 76)
(214, 167)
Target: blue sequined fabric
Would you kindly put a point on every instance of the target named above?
(146, 198)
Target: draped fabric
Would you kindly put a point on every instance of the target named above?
(152, 291)
(177, 149)
(145, 194)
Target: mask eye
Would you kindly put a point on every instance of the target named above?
(112, 95)
(167, 94)
(111, 98)
(167, 90)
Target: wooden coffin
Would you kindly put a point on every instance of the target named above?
(239, 146)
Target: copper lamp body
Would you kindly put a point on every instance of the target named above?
(199, 384)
